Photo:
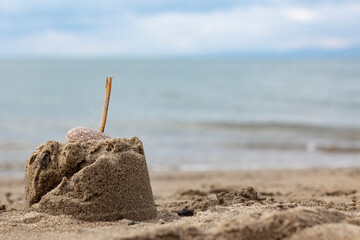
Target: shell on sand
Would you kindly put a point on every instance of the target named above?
(103, 180)
(83, 134)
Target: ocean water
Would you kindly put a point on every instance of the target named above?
(190, 114)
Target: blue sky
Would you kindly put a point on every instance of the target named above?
(176, 27)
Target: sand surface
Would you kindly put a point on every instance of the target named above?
(266, 204)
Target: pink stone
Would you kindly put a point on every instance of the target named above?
(83, 134)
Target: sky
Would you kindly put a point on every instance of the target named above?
(142, 28)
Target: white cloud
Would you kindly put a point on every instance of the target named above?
(334, 43)
(301, 14)
(270, 27)
(322, 42)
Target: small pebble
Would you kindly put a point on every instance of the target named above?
(132, 223)
(161, 221)
(2, 207)
(83, 134)
(186, 212)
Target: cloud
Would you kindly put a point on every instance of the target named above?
(323, 43)
(142, 29)
(301, 14)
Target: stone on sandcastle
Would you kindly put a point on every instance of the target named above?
(83, 134)
(95, 180)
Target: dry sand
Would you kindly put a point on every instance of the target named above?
(266, 204)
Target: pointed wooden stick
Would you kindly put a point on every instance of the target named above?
(106, 104)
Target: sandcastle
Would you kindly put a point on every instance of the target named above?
(92, 177)
(96, 180)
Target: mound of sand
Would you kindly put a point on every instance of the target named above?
(330, 231)
(246, 196)
(300, 223)
(94, 180)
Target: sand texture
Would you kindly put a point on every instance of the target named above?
(103, 180)
(247, 205)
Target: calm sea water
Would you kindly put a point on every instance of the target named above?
(190, 114)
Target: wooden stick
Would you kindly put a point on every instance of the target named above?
(106, 104)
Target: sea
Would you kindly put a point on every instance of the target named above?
(191, 114)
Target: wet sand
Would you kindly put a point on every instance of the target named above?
(264, 204)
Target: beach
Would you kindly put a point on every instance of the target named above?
(244, 204)
(230, 120)
(259, 149)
